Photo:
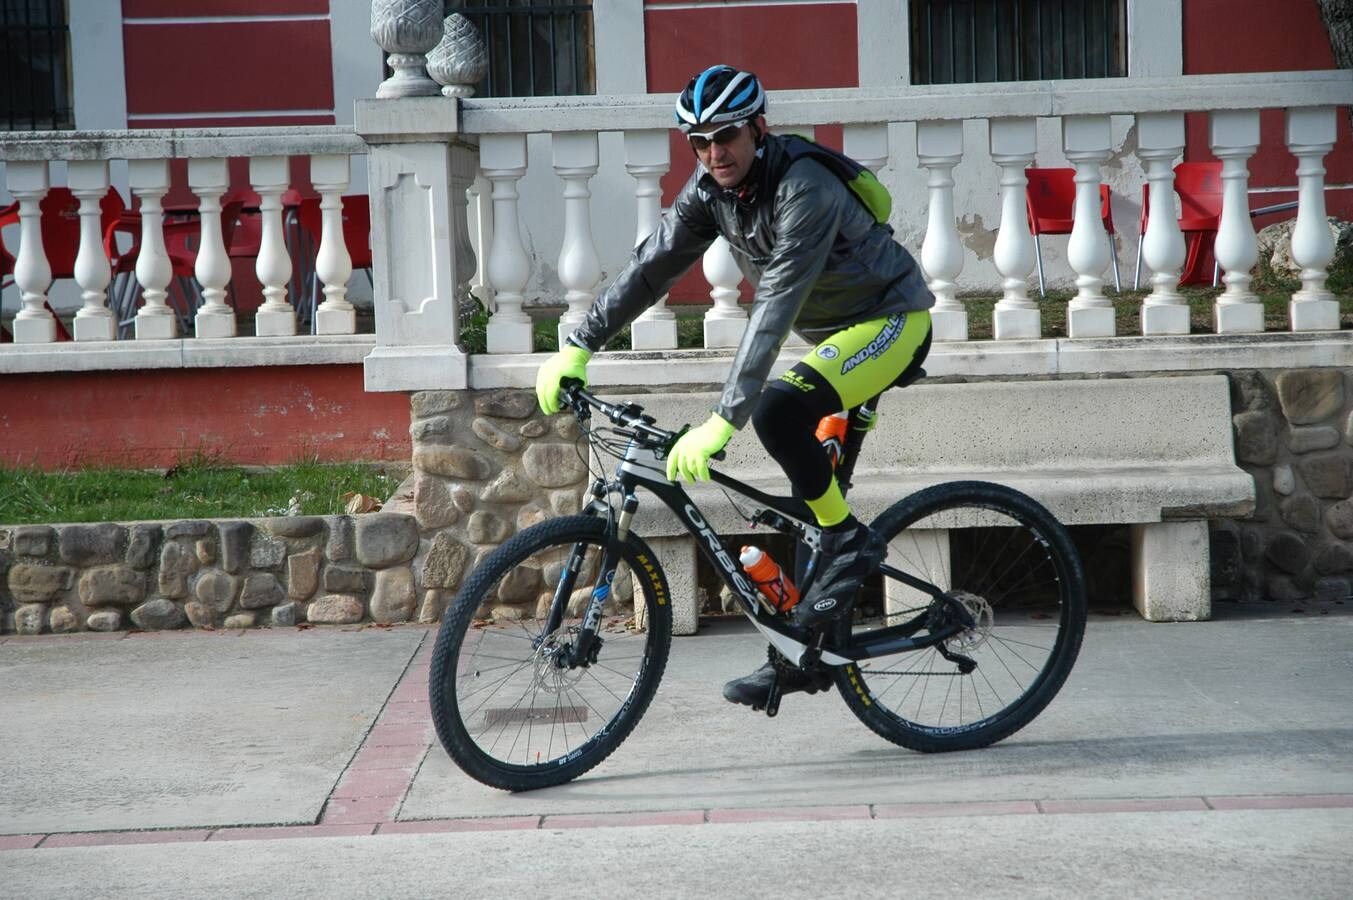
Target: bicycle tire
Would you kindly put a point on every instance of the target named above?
(956, 553)
(464, 728)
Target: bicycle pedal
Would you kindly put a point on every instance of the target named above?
(773, 699)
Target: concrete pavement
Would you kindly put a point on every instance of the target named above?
(1216, 754)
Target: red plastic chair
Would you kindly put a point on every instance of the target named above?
(356, 236)
(182, 238)
(1050, 199)
(60, 224)
(1198, 185)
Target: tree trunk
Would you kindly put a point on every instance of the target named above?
(1338, 18)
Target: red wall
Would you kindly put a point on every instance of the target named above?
(789, 47)
(1271, 36)
(152, 419)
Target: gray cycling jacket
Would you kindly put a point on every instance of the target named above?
(818, 260)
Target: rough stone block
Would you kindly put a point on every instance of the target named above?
(432, 503)
(339, 545)
(335, 609)
(1333, 559)
(176, 564)
(530, 514)
(33, 540)
(486, 528)
(1256, 438)
(565, 503)
(1327, 475)
(346, 580)
(431, 403)
(386, 539)
(436, 430)
(303, 574)
(1305, 438)
(294, 526)
(1284, 482)
(159, 615)
(1339, 519)
(285, 615)
(206, 551)
(112, 586)
(189, 529)
(241, 620)
(199, 614)
(104, 620)
(496, 437)
(266, 552)
(236, 540)
(30, 619)
(29, 583)
(444, 564)
(63, 621)
(1327, 589)
(533, 429)
(1170, 571)
(1309, 396)
(394, 597)
(1288, 552)
(261, 590)
(433, 607)
(553, 465)
(520, 585)
(1251, 391)
(506, 404)
(1302, 512)
(508, 487)
(143, 544)
(216, 590)
(451, 462)
(92, 545)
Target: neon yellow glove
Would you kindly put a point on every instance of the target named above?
(690, 454)
(570, 362)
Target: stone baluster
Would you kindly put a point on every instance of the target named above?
(575, 161)
(939, 147)
(726, 321)
(1235, 137)
(1310, 135)
(28, 182)
(647, 159)
(209, 179)
(270, 177)
(330, 174)
(1160, 140)
(480, 201)
(503, 159)
(866, 144)
(88, 181)
(407, 30)
(1014, 143)
(149, 179)
(461, 178)
(1086, 142)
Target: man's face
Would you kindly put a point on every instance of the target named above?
(727, 153)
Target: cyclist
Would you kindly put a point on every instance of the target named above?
(823, 265)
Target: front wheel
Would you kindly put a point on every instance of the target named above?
(1013, 568)
(512, 704)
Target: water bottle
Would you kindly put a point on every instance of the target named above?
(769, 578)
(831, 433)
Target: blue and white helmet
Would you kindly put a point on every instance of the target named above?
(717, 95)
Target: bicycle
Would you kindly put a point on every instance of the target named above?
(981, 588)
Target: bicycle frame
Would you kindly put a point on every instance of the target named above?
(643, 467)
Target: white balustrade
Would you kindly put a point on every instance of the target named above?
(209, 179)
(939, 147)
(28, 182)
(575, 161)
(726, 321)
(149, 180)
(270, 177)
(1234, 138)
(1086, 142)
(867, 145)
(330, 175)
(503, 159)
(647, 159)
(88, 180)
(1160, 141)
(480, 202)
(1014, 143)
(1310, 136)
(463, 171)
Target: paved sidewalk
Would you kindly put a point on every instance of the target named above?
(191, 738)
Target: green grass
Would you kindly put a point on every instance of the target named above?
(196, 489)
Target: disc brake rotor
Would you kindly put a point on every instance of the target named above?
(969, 640)
(550, 676)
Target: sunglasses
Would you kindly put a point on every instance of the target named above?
(721, 136)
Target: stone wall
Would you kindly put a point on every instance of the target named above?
(224, 574)
(1294, 434)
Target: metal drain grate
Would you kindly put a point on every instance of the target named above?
(550, 715)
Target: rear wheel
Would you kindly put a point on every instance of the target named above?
(1013, 568)
(510, 705)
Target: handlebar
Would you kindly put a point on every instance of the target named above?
(628, 415)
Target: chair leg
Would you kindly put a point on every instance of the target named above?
(1137, 273)
(1216, 272)
(1113, 255)
(1038, 255)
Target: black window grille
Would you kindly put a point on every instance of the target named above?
(964, 41)
(535, 49)
(35, 66)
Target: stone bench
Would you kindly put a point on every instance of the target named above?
(1154, 453)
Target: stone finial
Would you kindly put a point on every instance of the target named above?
(407, 30)
(460, 60)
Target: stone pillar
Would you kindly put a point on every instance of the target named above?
(270, 176)
(939, 147)
(1160, 140)
(417, 158)
(28, 182)
(1235, 137)
(333, 264)
(149, 179)
(575, 162)
(1171, 574)
(89, 182)
(1014, 143)
(1086, 141)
